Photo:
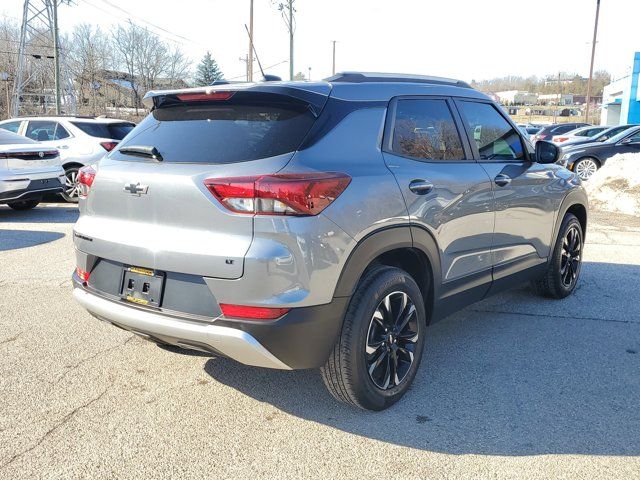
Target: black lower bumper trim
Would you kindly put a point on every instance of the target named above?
(35, 189)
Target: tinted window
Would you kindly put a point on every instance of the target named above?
(494, 136)
(45, 130)
(116, 131)
(563, 129)
(224, 133)
(615, 131)
(8, 138)
(635, 137)
(425, 129)
(11, 126)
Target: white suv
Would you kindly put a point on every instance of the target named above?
(80, 140)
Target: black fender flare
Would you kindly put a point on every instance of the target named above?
(382, 241)
(576, 196)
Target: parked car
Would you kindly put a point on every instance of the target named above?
(585, 159)
(605, 134)
(322, 225)
(529, 129)
(555, 129)
(80, 140)
(28, 170)
(582, 133)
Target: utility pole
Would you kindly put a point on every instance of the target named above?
(593, 54)
(290, 2)
(245, 59)
(250, 56)
(56, 55)
(333, 68)
(309, 76)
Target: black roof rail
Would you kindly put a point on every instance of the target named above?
(365, 77)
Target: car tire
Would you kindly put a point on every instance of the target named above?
(350, 373)
(71, 189)
(565, 264)
(586, 167)
(24, 204)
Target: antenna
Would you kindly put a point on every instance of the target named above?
(254, 50)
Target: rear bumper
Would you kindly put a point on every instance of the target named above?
(28, 189)
(303, 338)
(230, 342)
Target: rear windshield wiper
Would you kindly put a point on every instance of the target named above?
(142, 151)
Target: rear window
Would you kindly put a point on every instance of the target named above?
(116, 131)
(9, 138)
(224, 132)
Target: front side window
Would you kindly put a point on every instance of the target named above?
(45, 130)
(11, 126)
(425, 129)
(495, 138)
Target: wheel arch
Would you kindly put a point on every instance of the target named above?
(409, 248)
(576, 203)
(72, 164)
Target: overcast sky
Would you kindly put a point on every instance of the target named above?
(466, 39)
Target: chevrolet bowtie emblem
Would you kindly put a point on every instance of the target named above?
(136, 188)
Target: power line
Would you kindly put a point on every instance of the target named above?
(258, 71)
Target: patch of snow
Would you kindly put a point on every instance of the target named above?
(616, 186)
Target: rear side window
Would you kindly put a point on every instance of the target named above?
(224, 132)
(115, 131)
(495, 138)
(424, 129)
(44, 131)
(11, 126)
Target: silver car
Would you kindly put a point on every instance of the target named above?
(325, 225)
(28, 171)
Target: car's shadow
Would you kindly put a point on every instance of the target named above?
(60, 213)
(498, 380)
(15, 239)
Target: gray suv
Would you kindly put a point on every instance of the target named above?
(325, 225)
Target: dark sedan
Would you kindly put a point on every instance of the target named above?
(586, 159)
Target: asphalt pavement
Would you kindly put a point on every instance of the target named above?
(513, 387)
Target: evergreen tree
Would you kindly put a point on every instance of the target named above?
(207, 71)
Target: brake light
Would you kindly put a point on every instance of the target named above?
(86, 175)
(108, 146)
(83, 274)
(254, 313)
(279, 194)
(560, 139)
(204, 96)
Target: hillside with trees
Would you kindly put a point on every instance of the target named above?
(570, 83)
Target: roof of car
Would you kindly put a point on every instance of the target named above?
(357, 86)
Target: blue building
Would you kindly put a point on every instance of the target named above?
(621, 98)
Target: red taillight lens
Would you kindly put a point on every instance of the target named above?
(254, 313)
(83, 274)
(86, 175)
(108, 146)
(280, 194)
(204, 96)
(561, 139)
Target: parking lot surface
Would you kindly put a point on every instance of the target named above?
(513, 387)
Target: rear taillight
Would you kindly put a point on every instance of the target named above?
(279, 194)
(108, 146)
(82, 274)
(253, 313)
(560, 139)
(86, 175)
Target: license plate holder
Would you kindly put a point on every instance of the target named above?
(142, 286)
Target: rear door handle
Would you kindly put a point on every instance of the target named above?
(420, 187)
(502, 180)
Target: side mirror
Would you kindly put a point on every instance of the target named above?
(547, 152)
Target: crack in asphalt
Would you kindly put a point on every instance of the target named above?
(549, 315)
(71, 368)
(11, 339)
(57, 426)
